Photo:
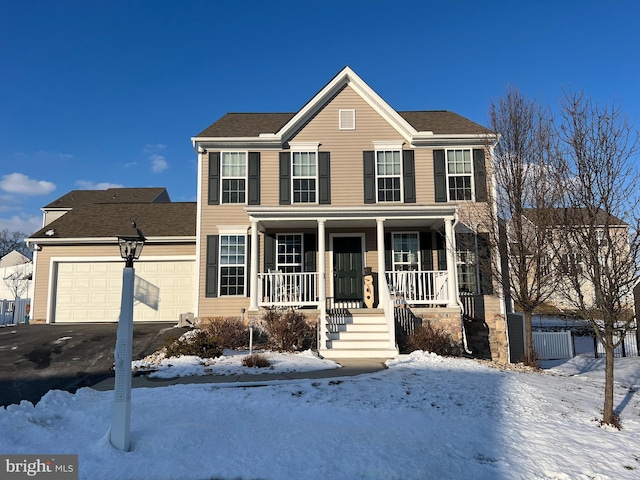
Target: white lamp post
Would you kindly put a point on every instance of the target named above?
(130, 249)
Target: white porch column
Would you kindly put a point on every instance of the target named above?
(380, 248)
(255, 262)
(452, 273)
(322, 284)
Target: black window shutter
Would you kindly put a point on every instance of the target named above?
(442, 251)
(484, 264)
(285, 178)
(211, 282)
(214, 178)
(409, 176)
(388, 253)
(440, 175)
(426, 251)
(253, 194)
(310, 249)
(369, 176)
(479, 175)
(269, 252)
(324, 178)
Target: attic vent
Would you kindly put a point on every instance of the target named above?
(347, 120)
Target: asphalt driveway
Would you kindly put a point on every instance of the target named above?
(37, 358)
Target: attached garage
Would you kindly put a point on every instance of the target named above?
(90, 291)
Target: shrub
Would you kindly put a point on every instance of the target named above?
(288, 330)
(228, 332)
(256, 360)
(197, 343)
(435, 340)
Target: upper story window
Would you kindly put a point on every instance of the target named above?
(304, 176)
(406, 252)
(389, 175)
(459, 174)
(233, 176)
(289, 258)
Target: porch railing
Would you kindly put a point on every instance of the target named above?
(278, 289)
(420, 287)
(388, 305)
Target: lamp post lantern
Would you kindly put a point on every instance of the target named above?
(130, 249)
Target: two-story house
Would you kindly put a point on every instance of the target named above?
(295, 209)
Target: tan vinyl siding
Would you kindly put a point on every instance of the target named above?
(43, 266)
(346, 146)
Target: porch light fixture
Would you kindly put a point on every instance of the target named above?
(119, 435)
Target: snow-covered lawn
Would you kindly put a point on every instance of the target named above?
(426, 417)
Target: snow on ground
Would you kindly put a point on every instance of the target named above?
(230, 363)
(426, 417)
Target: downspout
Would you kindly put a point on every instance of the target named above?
(465, 345)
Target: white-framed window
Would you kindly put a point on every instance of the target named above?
(232, 265)
(347, 119)
(289, 252)
(467, 262)
(406, 251)
(304, 177)
(460, 174)
(233, 176)
(389, 175)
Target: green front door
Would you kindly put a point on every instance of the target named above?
(347, 268)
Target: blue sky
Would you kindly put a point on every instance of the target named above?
(108, 93)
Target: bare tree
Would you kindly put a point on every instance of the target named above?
(17, 282)
(10, 241)
(600, 243)
(524, 190)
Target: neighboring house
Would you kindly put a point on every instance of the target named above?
(562, 263)
(78, 268)
(15, 276)
(293, 208)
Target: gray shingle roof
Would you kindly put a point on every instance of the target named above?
(111, 195)
(246, 124)
(168, 219)
(253, 124)
(442, 122)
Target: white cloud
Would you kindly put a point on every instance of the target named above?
(28, 225)
(87, 185)
(151, 148)
(158, 163)
(20, 183)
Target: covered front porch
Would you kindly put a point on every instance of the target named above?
(367, 261)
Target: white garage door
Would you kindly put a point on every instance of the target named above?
(91, 291)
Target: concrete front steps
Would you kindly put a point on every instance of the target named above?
(358, 333)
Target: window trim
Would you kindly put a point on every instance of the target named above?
(244, 265)
(418, 261)
(245, 178)
(277, 263)
(305, 147)
(475, 264)
(471, 175)
(388, 147)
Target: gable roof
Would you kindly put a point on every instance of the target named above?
(13, 258)
(100, 220)
(570, 216)
(254, 124)
(111, 195)
(275, 129)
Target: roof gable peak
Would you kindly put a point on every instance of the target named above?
(346, 77)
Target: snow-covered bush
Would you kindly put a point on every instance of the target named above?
(428, 338)
(196, 342)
